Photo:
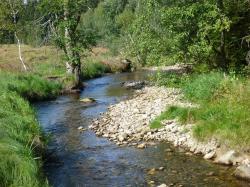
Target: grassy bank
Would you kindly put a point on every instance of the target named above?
(21, 139)
(224, 107)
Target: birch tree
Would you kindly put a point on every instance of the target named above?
(63, 18)
(11, 12)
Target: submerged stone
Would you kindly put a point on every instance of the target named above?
(88, 100)
(243, 172)
(141, 146)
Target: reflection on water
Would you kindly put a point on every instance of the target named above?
(82, 159)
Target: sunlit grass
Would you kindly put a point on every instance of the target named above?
(21, 139)
(20, 135)
(223, 112)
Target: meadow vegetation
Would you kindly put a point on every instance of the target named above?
(223, 110)
(21, 139)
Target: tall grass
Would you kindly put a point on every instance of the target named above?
(20, 134)
(224, 111)
(227, 115)
(92, 69)
(21, 140)
(29, 86)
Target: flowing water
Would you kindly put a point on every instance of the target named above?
(83, 159)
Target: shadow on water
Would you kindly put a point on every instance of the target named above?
(82, 159)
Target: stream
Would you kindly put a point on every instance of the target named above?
(81, 159)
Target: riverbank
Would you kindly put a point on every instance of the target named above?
(129, 122)
(22, 142)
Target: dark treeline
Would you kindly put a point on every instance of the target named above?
(154, 32)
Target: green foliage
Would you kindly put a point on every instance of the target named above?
(154, 32)
(105, 23)
(159, 32)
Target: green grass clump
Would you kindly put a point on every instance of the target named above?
(156, 123)
(170, 79)
(21, 139)
(201, 87)
(29, 86)
(92, 69)
(227, 115)
(184, 115)
(20, 135)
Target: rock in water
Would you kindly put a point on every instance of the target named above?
(152, 171)
(162, 185)
(81, 128)
(151, 182)
(88, 100)
(210, 155)
(134, 84)
(122, 137)
(230, 158)
(161, 168)
(141, 146)
(243, 172)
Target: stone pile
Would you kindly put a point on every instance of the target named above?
(128, 121)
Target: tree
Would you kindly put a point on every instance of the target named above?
(209, 32)
(10, 17)
(62, 18)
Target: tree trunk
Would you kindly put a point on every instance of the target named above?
(223, 61)
(73, 64)
(222, 50)
(20, 53)
(14, 16)
(248, 58)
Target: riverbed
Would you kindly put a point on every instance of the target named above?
(76, 158)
